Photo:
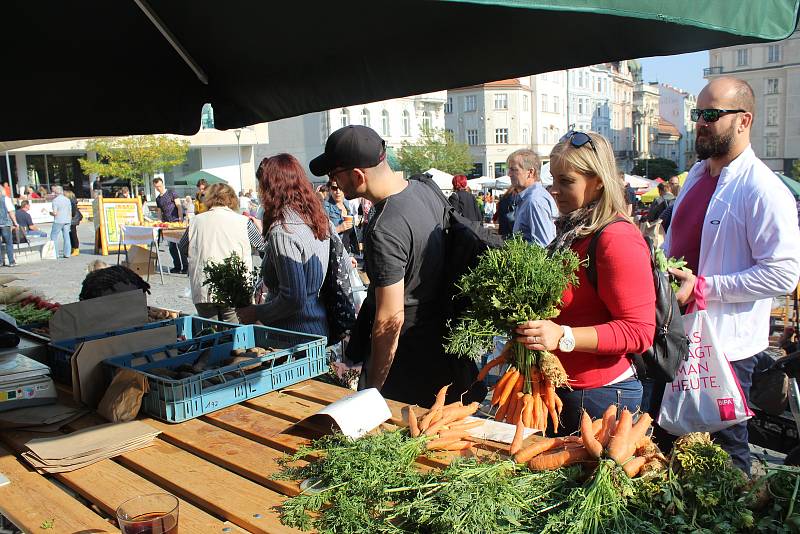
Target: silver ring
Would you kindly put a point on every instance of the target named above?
(534, 339)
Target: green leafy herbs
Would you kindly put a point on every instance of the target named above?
(350, 480)
(664, 264)
(48, 524)
(230, 282)
(516, 283)
(28, 314)
(777, 496)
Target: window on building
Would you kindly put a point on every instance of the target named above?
(543, 138)
(543, 76)
(365, 117)
(525, 139)
(772, 116)
(385, 123)
(325, 126)
(771, 150)
(477, 169)
(499, 169)
(448, 106)
(207, 116)
(741, 57)
(344, 118)
(544, 102)
(470, 103)
(406, 123)
(501, 136)
(773, 53)
(524, 102)
(580, 106)
(501, 101)
(772, 86)
(427, 121)
(472, 137)
(556, 105)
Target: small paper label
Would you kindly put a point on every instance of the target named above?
(727, 409)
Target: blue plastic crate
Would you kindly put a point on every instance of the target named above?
(300, 357)
(60, 352)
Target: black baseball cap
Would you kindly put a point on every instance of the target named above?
(350, 147)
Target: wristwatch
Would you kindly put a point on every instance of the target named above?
(567, 341)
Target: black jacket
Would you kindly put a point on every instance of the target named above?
(466, 205)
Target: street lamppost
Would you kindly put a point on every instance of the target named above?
(238, 133)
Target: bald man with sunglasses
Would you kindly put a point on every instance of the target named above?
(735, 223)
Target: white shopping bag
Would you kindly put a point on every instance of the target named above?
(705, 395)
(49, 250)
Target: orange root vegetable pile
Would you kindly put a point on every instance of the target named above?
(623, 441)
(529, 399)
(446, 425)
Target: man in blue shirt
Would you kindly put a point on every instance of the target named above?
(536, 209)
(62, 219)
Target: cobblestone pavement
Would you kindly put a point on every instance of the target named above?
(60, 280)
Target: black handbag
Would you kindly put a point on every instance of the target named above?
(670, 344)
(336, 292)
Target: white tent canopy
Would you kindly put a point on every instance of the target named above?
(477, 184)
(637, 182)
(547, 178)
(441, 178)
(504, 182)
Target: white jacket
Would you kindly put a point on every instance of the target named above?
(214, 235)
(749, 251)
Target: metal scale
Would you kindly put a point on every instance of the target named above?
(24, 382)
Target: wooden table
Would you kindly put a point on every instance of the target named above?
(219, 465)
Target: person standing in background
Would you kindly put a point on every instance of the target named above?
(8, 224)
(537, 209)
(62, 220)
(77, 216)
(463, 201)
(506, 211)
(171, 211)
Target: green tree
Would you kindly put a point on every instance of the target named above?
(796, 169)
(435, 148)
(655, 168)
(135, 158)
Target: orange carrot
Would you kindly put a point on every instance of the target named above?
(500, 415)
(453, 415)
(516, 443)
(413, 424)
(467, 425)
(559, 404)
(501, 385)
(554, 460)
(632, 466)
(512, 408)
(510, 386)
(440, 442)
(638, 431)
(550, 402)
(440, 397)
(537, 447)
(492, 364)
(609, 423)
(455, 434)
(589, 441)
(528, 408)
(456, 446)
(542, 413)
(427, 419)
(518, 407)
(618, 444)
(597, 426)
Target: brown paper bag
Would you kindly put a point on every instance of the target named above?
(123, 398)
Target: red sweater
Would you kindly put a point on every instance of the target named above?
(622, 309)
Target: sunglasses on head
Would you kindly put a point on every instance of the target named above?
(578, 139)
(333, 187)
(711, 114)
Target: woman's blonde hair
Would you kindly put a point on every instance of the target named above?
(597, 162)
(221, 195)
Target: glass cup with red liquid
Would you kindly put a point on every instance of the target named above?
(149, 514)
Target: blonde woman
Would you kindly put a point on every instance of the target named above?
(215, 235)
(598, 325)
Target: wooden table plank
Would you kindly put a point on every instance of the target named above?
(285, 406)
(30, 499)
(260, 427)
(229, 450)
(108, 484)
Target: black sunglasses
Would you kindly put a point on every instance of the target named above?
(711, 114)
(333, 187)
(578, 139)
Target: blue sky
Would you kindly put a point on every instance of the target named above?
(684, 71)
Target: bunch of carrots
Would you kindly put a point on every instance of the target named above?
(623, 441)
(527, 391)
(446, 425)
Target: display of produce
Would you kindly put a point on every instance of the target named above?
(161, 224)
(611, 478)
(511, 285)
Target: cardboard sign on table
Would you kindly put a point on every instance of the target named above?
(99, 315)
(354, 415)
(89, 379)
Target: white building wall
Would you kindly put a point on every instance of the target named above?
(550, 110)
(601, 94)
(223, 162)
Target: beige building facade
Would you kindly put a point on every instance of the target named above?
(773, 71)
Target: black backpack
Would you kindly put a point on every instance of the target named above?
(465, 241)
(336, 293)
(670, 344)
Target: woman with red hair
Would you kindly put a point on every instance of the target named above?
(463, 201)
(296, 233)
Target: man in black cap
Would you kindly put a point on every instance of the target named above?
(404, 259)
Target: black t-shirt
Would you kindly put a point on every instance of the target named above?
(405, 240)
(24, 219)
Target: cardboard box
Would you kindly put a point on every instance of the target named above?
(140, 268)
(138, 254)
